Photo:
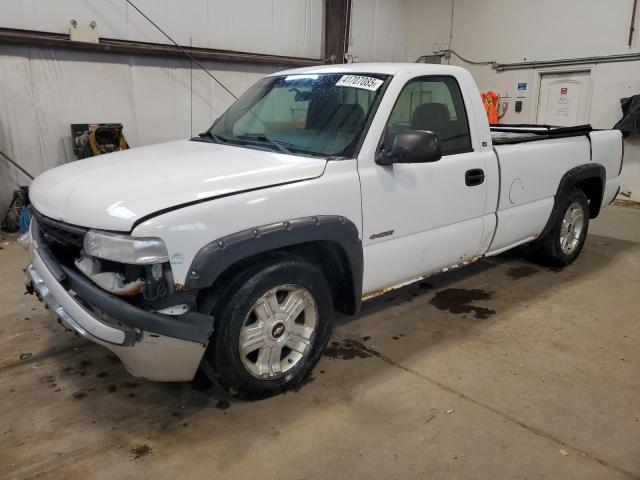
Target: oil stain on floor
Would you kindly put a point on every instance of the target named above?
(459, 300)
(141, 451)
(521, 272)
(348, 349)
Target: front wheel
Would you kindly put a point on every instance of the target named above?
(272, 324)
(564, 242)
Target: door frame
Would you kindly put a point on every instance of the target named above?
(538, 74)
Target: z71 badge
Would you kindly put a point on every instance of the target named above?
(381, 234)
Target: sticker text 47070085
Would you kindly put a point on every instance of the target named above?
(358, 81)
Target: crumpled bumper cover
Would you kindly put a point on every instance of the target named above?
(151, 345)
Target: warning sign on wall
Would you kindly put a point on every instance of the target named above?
(521, 90)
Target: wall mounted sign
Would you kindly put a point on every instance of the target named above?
(521, 90)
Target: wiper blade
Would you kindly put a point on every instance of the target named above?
(264, 138)
(277, 144)
(208, 136)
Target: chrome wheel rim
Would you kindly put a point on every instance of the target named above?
(278, 331)
(571, 229)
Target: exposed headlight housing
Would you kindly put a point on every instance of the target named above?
(125, 249)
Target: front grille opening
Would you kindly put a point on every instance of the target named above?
(55, 232)
(65, 242)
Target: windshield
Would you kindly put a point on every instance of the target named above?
(318, 115)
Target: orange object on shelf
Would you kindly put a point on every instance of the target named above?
(491, 101)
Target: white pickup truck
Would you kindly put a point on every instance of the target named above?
(230, 252)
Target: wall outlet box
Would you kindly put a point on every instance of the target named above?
(87, 35)
(440, 47)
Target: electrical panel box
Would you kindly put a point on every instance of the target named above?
(435, 59)
(80, 34)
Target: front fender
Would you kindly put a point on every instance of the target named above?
(218, 255)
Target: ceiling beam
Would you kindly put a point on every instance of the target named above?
(110, 45)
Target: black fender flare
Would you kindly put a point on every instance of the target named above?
(215, 257)
(568, 181)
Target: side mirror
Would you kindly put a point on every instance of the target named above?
(412, 146)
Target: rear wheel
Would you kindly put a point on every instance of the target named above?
(564, 242)
(272, 324)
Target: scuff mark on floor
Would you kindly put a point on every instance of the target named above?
(522, 271)
(305, 381)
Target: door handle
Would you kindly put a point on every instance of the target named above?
(474, 177)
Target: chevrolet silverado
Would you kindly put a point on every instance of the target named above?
(231, 251)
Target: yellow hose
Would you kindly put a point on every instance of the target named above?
(97, 149)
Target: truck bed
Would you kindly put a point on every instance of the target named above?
(506, 134)
(530, 172)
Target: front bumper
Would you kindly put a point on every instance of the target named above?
(144, 353)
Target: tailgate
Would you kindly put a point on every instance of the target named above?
(606, 149)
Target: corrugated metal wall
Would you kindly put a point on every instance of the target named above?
(398, 30)
(43, 91)
(378, 30)
(280, 27)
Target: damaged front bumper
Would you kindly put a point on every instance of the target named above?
(150, 345)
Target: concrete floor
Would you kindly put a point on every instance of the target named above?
(503, 370)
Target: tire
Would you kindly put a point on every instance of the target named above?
(284, 347)
(564, 242)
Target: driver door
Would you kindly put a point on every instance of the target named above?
(422, 217)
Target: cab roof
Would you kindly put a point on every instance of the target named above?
(383, 68)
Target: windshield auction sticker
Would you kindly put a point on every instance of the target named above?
(356, 81)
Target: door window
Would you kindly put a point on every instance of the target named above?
(435, 104)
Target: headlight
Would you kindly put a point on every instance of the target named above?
(125, 249)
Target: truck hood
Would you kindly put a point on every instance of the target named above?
(113, 191)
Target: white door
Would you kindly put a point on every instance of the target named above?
(421, 217)
(564, 98)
